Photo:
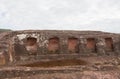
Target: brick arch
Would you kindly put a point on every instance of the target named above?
(53, 44)
(91, 44)
(109, 44)
(73, 44)
(31, 45)
(31, 41)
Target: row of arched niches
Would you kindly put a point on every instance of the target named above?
(30, 44)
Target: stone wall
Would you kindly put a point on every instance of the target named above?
(24, 44)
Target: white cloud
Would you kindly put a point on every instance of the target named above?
(60, 14)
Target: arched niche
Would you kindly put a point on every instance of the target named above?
(109, 44)
(73, 45)
(91, 44)
(53, 44)
(31, 45)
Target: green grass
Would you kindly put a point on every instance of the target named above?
(4, 30)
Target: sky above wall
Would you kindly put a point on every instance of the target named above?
(101, 15)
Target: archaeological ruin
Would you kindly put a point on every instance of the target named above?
(51, 48)
(22, 46)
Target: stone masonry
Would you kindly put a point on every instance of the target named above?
(53, 54)
(19, 47)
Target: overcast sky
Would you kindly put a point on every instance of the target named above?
(103, 15)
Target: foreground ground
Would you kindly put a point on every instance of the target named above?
(66, 72)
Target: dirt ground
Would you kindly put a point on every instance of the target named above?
(65, 72)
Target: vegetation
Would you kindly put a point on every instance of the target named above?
(4, 30)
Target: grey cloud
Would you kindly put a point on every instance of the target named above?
(108, 25)
(71, 7)
(60, 14)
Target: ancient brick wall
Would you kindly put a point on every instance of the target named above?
(24, 44)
